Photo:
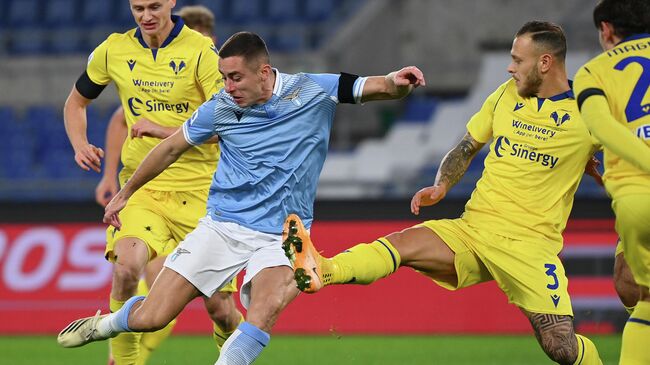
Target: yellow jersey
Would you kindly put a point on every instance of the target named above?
(164, 85)
(537, 157)
(622, 76)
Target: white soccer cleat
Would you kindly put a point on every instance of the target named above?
(81, 332)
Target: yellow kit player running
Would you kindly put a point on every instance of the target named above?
(613, 98)
(511, 231)
(163, 71)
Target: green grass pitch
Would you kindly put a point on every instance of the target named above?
(314, 350)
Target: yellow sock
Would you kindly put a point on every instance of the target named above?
(151, 340)
(125, 347)
(587, 352)
(362, 264)
(220, 336)
(635, 349)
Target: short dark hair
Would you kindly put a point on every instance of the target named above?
(546, 35)
(248, 45)
(627, 16)
(197, 16)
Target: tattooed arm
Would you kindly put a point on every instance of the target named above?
(452, 168)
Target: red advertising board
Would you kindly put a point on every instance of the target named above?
(51, 274)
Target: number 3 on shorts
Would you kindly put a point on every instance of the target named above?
(551, 272)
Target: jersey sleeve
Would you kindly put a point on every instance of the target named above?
(207, 71)
(480, 125)
(346, 88)
(97, 68)
(200, 126)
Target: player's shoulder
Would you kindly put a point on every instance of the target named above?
(194, 39)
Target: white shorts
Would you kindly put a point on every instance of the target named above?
(215, 252)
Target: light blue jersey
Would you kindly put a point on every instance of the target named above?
(271, 154)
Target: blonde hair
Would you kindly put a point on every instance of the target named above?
(198, 17)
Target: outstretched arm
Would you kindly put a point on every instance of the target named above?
(452, 168)
(395, 85)
(160, 157)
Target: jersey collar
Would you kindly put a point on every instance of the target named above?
(634, 37)
(277, 87)
(561, 96)
(178, 26)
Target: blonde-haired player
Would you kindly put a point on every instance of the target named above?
(511, 230)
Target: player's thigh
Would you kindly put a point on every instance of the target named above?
(142, 220)
(530, 274)
(209, 257)
(443, 250)
(632, 212)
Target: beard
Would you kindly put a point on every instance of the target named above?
(532, 84)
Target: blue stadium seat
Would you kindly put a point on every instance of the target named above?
(23, 13)
(95, 13)
(66, 40)
(283, 10)
(27, 42)
(289, 38)
(61, 12)
(245, 11)
(318, 10)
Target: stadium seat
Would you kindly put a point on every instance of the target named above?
(66, 40)
(318, 10)
(245, 11)
(283, 10)
(61, 12)
(23, 13)
(289, 38)
(95, 13)
(27, 42)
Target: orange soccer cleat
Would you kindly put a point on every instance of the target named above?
(306, 261)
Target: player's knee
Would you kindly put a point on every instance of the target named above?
(222, 310)
(126, 276)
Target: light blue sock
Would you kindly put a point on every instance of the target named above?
(119, 321)
(243, 346)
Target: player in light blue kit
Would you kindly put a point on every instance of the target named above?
(273, 131)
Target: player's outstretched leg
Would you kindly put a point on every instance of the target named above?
(83, 331)
(306, 261)
(97, 328)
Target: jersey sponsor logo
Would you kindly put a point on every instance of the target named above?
(136, 105)
(498, 145)
(147, 83)
(177, 67)
(533, 128)
(294, 97)
(518, 106)
(503, 147)
(559, 120)
(131, 64)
